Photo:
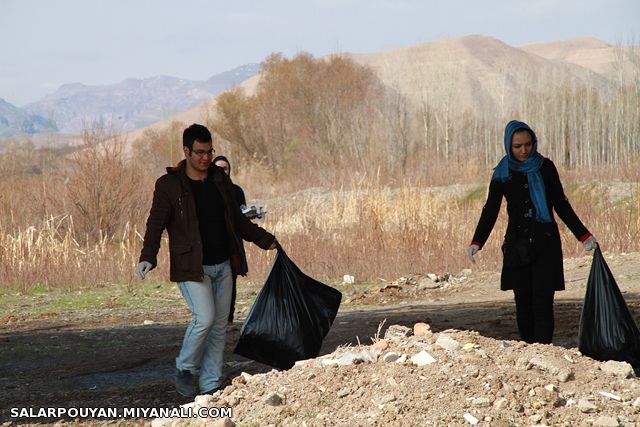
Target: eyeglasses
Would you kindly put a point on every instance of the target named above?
(201, 153)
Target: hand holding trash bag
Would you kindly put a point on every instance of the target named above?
(607, 328)
(290, 317)
(590, 243)
(471, 251)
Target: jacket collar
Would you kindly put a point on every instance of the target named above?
(215, 172)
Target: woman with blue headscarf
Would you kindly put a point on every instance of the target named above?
(532, 251)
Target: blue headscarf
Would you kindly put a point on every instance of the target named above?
(531, 167)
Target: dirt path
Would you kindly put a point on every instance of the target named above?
(118, 362)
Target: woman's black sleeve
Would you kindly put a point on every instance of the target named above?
(239, 195)
(489, 214)
(561, 204)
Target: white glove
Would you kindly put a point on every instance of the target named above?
(143, 268)
(471, 252)
(590, 244)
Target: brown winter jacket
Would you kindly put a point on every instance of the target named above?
(174, 209)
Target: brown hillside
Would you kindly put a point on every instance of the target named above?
(589, 53)
(473, 72)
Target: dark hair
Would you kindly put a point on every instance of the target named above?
(195, 132)
(530, 132)
(224, 159)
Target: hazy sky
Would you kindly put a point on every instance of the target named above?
(46, 43)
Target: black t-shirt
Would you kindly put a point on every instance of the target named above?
(213, 231)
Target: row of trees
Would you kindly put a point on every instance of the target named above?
(324, 112)
(308, 111)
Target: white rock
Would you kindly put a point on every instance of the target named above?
(481, 402)
(500, 403)
(427, 283)
(397, 332)
(422, 358)
(344, 392)
(552, 365)
(447, 342)
(432, 276)
(606, 422)
(148, 322)
(619, 369)
(203, 400)
(550, 387)
(351, 358)
(610, 395)
(535, 418)
(586, 407)
(470, 419)
(391, 356)
(402, 359)
(387, 398)
(348, 280)
(470, 346)
(471, 371)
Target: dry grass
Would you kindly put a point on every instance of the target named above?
(52, 257)
(381, 230)
(385, 233)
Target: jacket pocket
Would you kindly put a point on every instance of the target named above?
(180, 248)
(180, 256)
(518, 252)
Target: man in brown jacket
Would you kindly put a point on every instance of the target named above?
(194, 202)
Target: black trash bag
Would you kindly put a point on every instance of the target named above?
(290, 317)
(607, 329)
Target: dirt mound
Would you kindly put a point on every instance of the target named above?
(449, 378)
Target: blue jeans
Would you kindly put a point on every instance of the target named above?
(203, 344)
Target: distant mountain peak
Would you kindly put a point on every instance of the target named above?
(582, 42)
(16, 121)
(133, 102)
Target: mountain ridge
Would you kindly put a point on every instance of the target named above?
(133, 102)
(474, 72)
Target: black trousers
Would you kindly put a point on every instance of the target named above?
(534, 284)
(534, 306)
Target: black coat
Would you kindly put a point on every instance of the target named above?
(238, 194)
(174, 209)
(544, 237)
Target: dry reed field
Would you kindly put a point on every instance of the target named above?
(356, 178)
(370, 232)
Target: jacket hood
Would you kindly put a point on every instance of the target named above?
(177, 168)
(215, 172)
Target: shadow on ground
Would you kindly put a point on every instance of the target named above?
(62, 365)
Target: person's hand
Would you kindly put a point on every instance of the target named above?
(143, 268)
(590, 244)
(471, 251)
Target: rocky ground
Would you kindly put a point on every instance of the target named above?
(376, 367)
(418, 377)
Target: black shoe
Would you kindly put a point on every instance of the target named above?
(185, 383)
(213, 390)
